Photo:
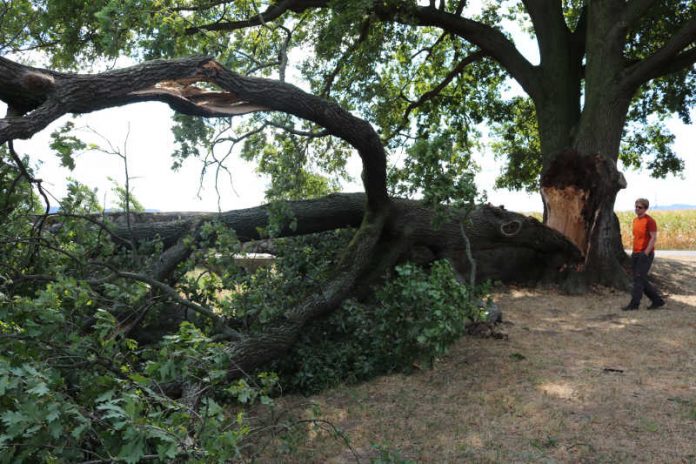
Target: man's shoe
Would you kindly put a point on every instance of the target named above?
(657, 304)
(630, 307)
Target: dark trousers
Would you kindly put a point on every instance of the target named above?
(640, 264)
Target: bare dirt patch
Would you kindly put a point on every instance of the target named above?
(577, 380)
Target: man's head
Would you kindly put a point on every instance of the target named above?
(642, 205)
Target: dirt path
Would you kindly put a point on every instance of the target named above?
(578, 380)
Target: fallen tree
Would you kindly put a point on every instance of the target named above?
(502, 244)
(505, 245)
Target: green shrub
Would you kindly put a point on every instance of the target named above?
(414, 317)
(70, 397)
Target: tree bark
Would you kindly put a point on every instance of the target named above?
(579, 193)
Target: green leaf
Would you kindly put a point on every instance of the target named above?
(133, 448)
(40, 389)
(66, 145)
(167, 450)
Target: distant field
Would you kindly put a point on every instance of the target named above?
(676, 228)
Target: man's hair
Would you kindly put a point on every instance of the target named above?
(644, 202)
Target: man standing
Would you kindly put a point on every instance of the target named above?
(644, 236)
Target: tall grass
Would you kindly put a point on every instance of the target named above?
(676, 230)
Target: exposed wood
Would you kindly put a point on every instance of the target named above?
(579, 193)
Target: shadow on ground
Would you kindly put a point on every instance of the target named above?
(675, 275)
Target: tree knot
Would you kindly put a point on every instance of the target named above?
(511, 228)
(37, 83)
(211, 69)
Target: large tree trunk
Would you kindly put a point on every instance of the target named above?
(505, 245)
(580, 179)
(579, 192)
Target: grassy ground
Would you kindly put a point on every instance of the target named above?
(576, 380)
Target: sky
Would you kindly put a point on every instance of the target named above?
(142, 132)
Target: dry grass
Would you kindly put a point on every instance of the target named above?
(676, 229)
(577, 381)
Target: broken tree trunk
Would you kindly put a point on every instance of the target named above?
(506, 246)
(579, 193)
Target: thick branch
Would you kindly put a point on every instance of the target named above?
(272, 13)
(331, 212)
(579, 35)
(488, 228)
(550, 27)
(662, 61)
(171, 81)
(634, 10)
(24, 87)
(489, 39)
(74, 93)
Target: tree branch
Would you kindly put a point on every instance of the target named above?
(272, 13)
(579, 35)
(329, 79)
(662, 62)
(301, 133)
(171, 81)
(634, 10)
(549, 26)
(489, 39)
(173, 294)
(434, 92)
(38, 225)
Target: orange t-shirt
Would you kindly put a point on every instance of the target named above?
(642, 226)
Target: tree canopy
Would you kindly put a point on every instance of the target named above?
(423, 70)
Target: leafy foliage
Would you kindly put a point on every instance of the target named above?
(375, 59)
(436, 170)
(517, 138)
(74, 386)
(413, 318)
(650, 146)
(66, 144)
(97, 361)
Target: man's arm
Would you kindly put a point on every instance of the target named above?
(651, 243)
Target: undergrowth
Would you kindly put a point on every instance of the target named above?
(77, 384)
(410, 321)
